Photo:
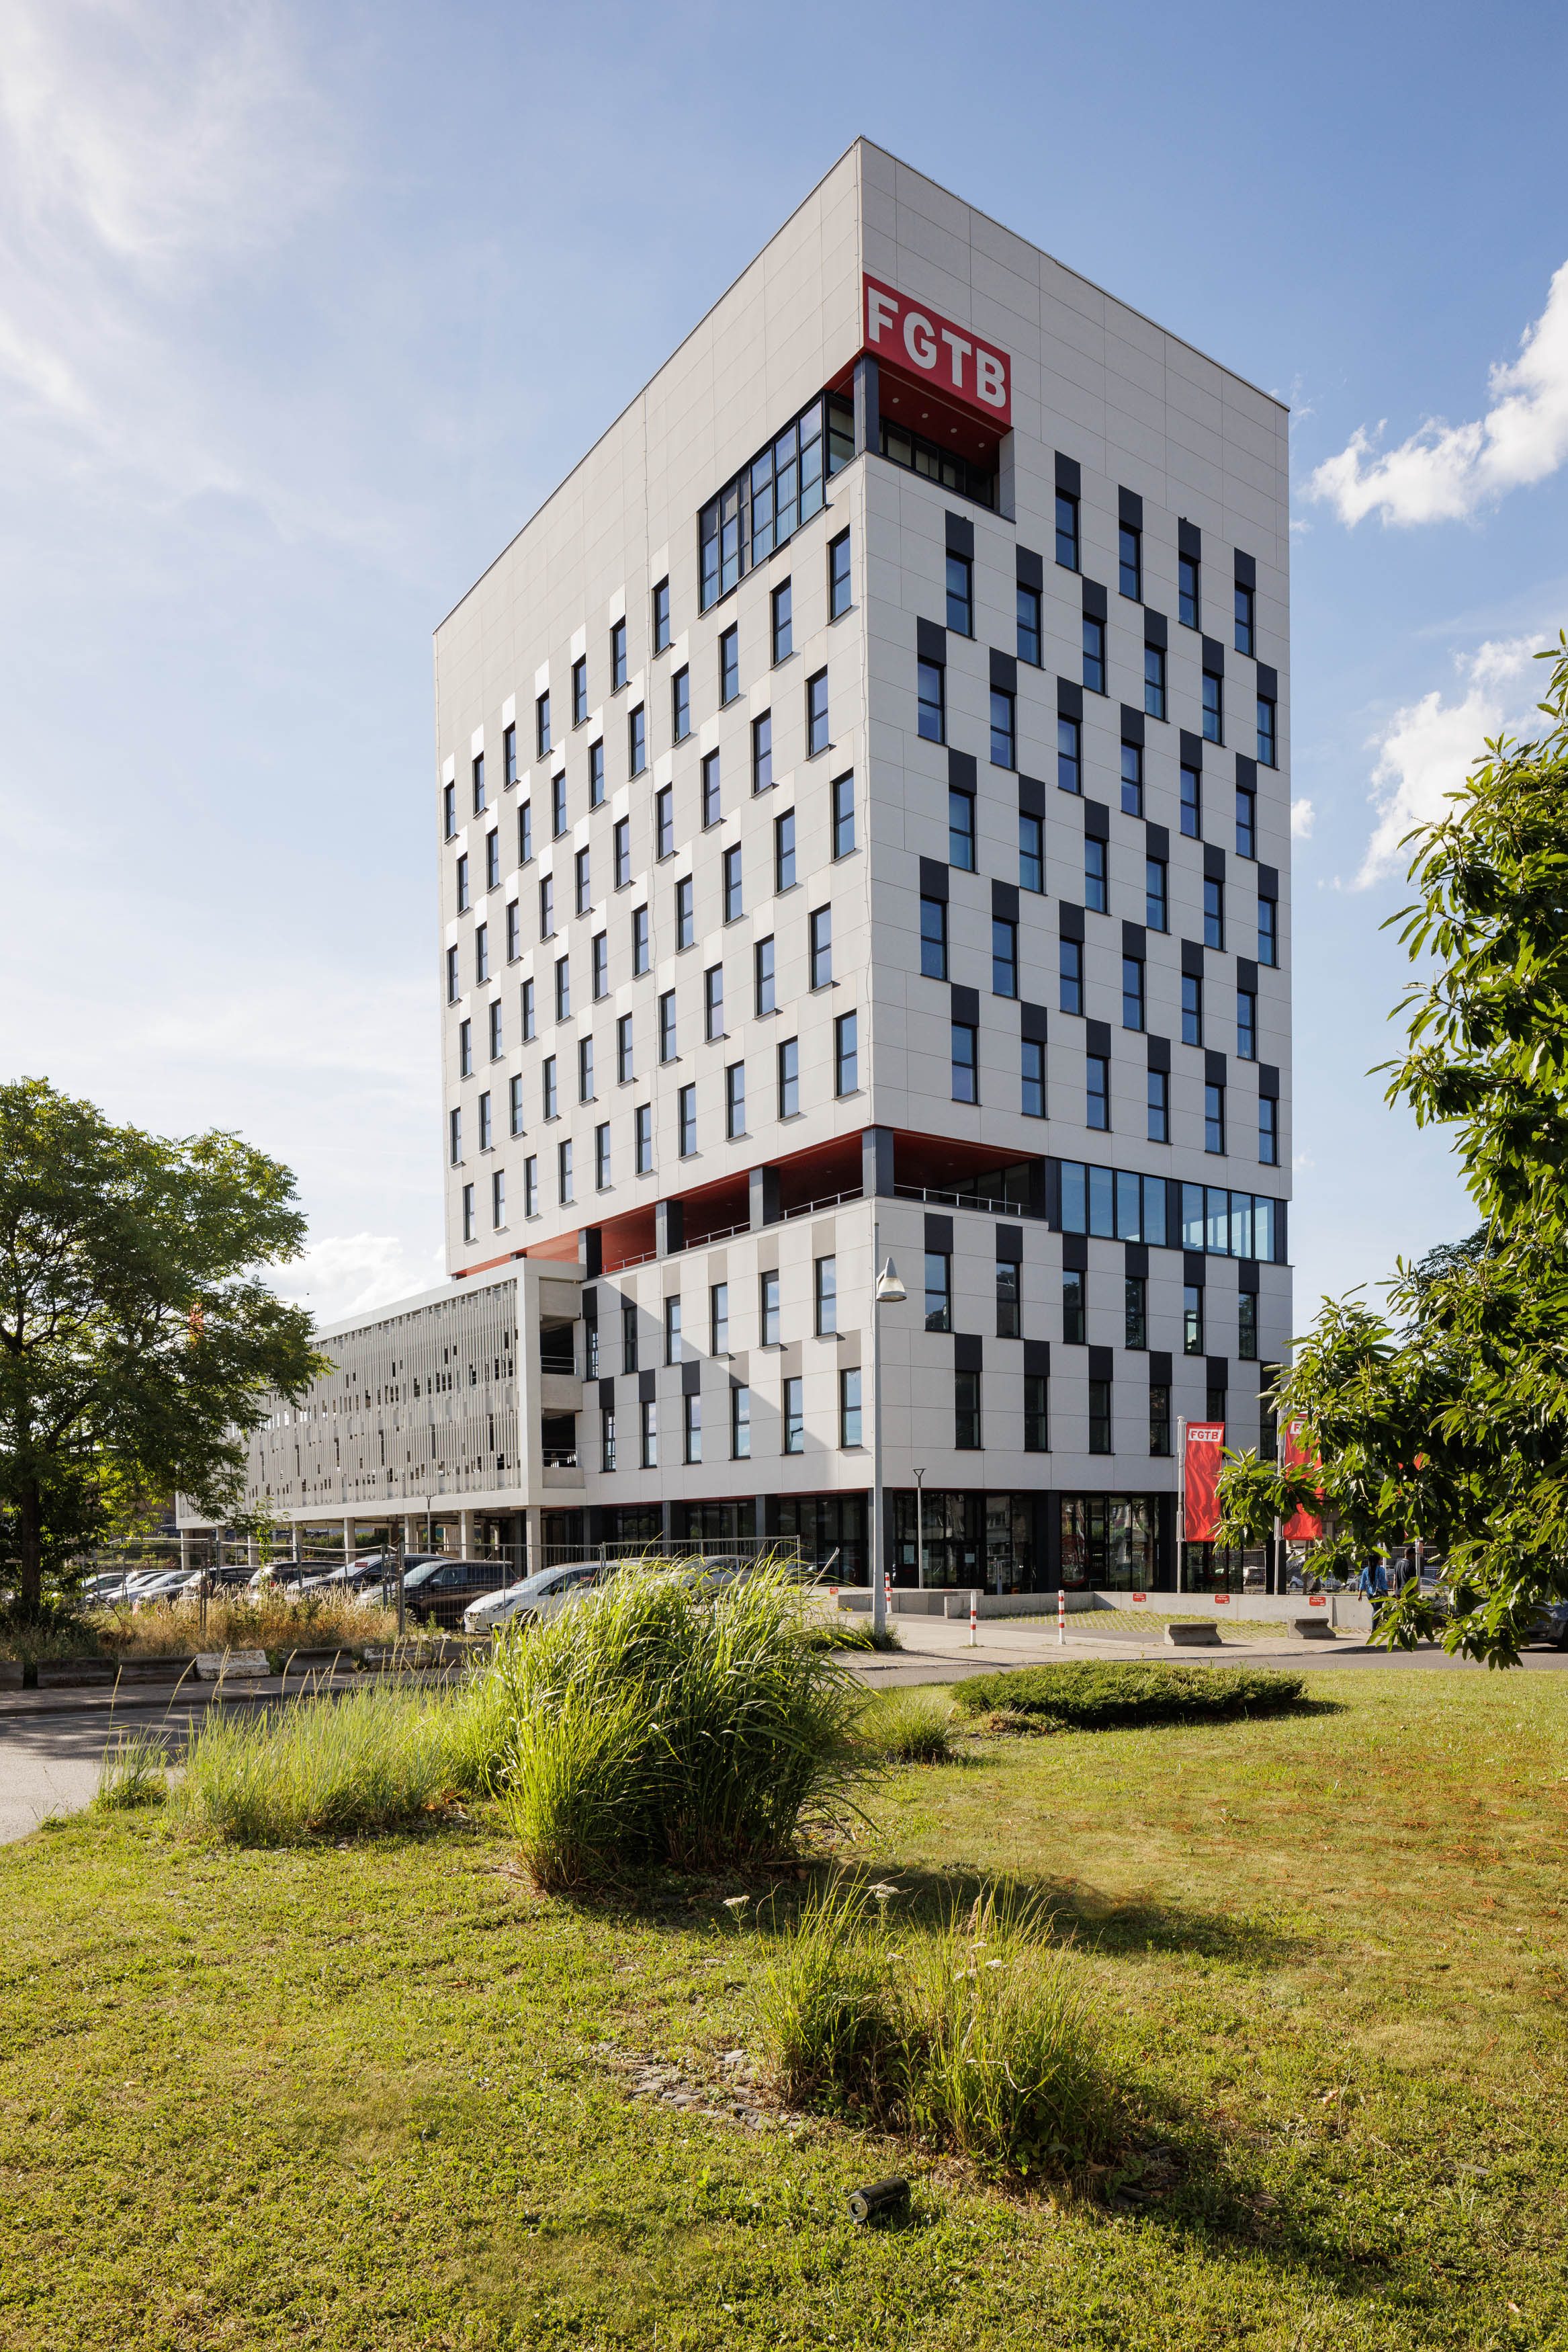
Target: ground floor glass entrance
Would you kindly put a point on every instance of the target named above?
(984, 1540)
(1109, 1541)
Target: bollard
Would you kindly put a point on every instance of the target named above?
(974, 1619)
(1062, 1617)
(886, 1597)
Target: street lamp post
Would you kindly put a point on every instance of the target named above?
(920, 1528)
(886, 1291)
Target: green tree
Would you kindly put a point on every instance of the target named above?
(137, 1341)
(1446, 1415)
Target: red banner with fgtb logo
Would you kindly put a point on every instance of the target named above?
(1204, 1453)
(1301, 1527)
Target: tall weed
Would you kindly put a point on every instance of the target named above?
(372, 1761)
(906, 1727)
(132, 1772)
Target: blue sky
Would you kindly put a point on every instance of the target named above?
(302, 310)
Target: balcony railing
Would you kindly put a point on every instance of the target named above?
(934, 1197)
(561, 1457)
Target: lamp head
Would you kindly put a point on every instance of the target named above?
(890, 1291)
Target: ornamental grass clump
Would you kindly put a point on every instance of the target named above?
(1095, 1695)
(132, 1772)
(316, 1767)
(979, 2036)
(660, 1722)
(906, 1727)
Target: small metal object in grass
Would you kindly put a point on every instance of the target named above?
(877, 2197)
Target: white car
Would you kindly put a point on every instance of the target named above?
(537, 1596)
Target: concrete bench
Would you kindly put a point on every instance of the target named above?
(231, 1665)
(1311, 1629)
(1193, 1637)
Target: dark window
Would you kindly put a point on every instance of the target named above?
(617, 655)
(529, 1025)
(621, 843)
(667, 1025)
(1093, 654)
(1002, 734)
(1130, 560)
(783, 604)
(1136, 1327)
(541, 724)
(729, 664)
(1266, 753)
(515, 1104)
(650, 1416)
(509, 755)
(966, 1411)
(734, 1100)
(763, 964)
(514, 931)
(733, 906)
(1213, 707)
(1069, 965)
(584, 887)
(454, 980)
(636, 741)
(449, 811)
(1244, 638)
(557, 804)
(1213, 1118)
(1067, 530)
(686, 1112)
(462, 885)
(1187, 591)
(665, 822)
(606, 1438)
(817, 715)
(495, 1030)
(1159, 1107)
(1132, 992)
(1245, 822)
(821, 947)
(1036, 1413)
(849, 1408)
(546, 908)
(530, 1188)
(1159, 1420)
(1192, 1319)
(740, 1423)
(623, 1063)
(1155, 894)
(1191, 804)
(966, 1063)
(960, 596)
(1131, 779)
(1213, 913)
(1098, 1090)
(1004, 959)
(662, 617)
(1191, 1009)
(579, 690)
(1033, 1079)
(762, 752)
(825, 1283)
(479, 784)
(454, 1137)
(1268, 932)
(846, 1054)
(923, 457)
(492, 861)
(1073, 1307)
(784, 851)
(1032, 857)
(930, 683)
(642, 1137)
(961, 829)
(843, 816)
(596, 774)
(938, 1291)
(712, 809)
(526, 833)
(1100, 1417)
(789, 1078)
(468, 1223)
(685, 915)
(1094, 876)
(1028, 626)
(563, 988)
(1268, 1131)
(585, 1070)
(1246, 1025)
(549, 1090)
(1155, 681)
(794, 1416)
(1009, 1323)
(681, 705)
(1068, 772)
(838, 575)
(933, 938)
(1247, 1326)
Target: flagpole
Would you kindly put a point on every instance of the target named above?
(1181, 1496)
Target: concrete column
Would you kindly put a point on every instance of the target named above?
(294, 1545)
(876, 1162)
(534, 1523)
(348, 1547)
(465, 1535)
(186, 1562)
(253, 1552)
(868, 404)
(411, 1533)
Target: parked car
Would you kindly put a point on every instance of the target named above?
(438, 1592)
(1551, 1624)
(541, 1595)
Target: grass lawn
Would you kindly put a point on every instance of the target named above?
(383, 2095)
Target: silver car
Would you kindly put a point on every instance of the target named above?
(538, 1596)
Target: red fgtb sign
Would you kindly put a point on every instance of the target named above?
(1301, 1527)
(1205, 1453)
(959, 366)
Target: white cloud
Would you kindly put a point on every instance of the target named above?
(352, 1274)
(1446, 471)
(1302, 817)
(1429, 747)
